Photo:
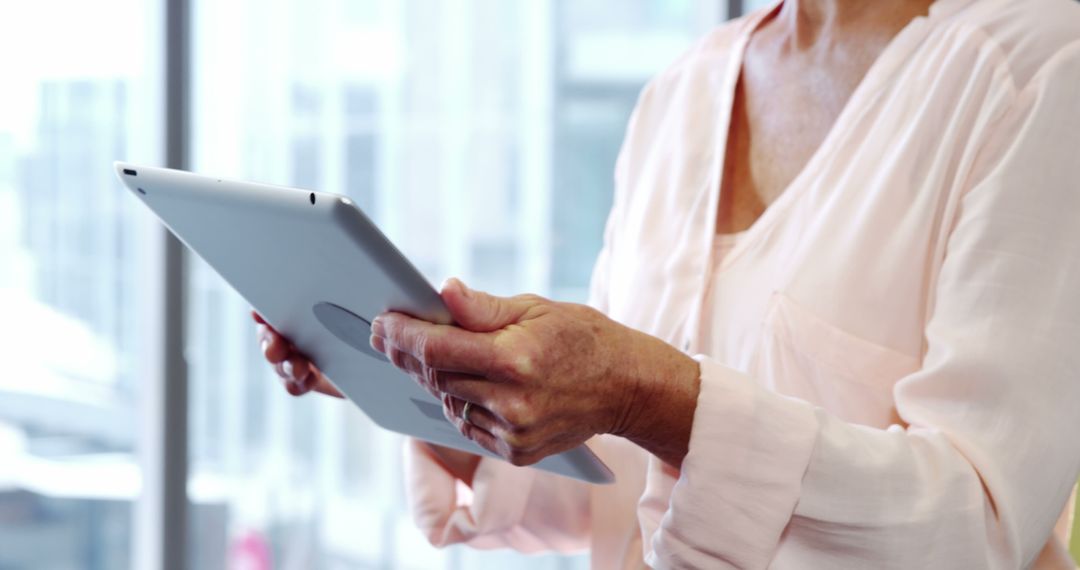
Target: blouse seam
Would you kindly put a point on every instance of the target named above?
(1016, 95)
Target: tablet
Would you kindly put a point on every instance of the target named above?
(318, 270)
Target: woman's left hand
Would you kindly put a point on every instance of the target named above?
(543, 377)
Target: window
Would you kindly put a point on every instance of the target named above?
(481, 136)
(75, 97)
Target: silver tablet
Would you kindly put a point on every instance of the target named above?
(318, 270)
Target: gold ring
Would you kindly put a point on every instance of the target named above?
(465, 413)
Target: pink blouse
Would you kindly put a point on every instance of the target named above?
(890, 355)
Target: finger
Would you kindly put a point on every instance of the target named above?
(452, 409)
(467, 387)
(479, 416)
(296, 367)
(275, 347)
(437, 382)
(480, 312)
(293, 388)
(323, 386)
(445, 347)
(259, 320)
(316, 381)
(378, 343)
(300, 376)
(279, 369)
(264, 335)
(481, 437)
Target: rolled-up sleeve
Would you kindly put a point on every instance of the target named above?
(989, 453)
(507, 506)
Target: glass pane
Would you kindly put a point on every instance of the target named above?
(77, 94)
(481, 136)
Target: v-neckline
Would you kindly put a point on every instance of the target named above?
(881, 69)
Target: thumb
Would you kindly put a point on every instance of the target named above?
(478, 311)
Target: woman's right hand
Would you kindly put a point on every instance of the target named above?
(300, 376)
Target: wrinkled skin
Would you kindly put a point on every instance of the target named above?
(543, 377)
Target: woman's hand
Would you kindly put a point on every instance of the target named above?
(543, 377)
(300, 376)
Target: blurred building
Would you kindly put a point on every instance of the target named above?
(66, 398)
(479, 134)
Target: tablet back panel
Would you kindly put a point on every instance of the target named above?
(318, 270)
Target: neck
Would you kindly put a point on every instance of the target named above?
(808, 22)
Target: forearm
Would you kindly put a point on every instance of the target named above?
(509, 507)
(664, 384)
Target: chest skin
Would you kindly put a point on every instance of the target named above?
(791, 89)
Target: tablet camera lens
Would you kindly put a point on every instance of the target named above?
(312, 197)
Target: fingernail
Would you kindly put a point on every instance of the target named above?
(265, 344)
(288, 369)
(377, 326)
(377, 343)
(465, 291)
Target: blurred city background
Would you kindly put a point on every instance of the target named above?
(479, 134)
